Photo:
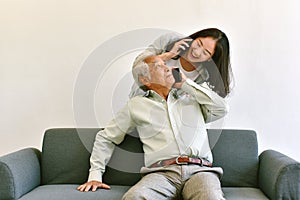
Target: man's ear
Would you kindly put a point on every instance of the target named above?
(144, 80)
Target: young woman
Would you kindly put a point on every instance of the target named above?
(202, 56)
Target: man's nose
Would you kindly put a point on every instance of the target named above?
(167, 68)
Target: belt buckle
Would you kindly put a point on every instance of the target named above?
(201, 164)
(159, 163)
(180, 163)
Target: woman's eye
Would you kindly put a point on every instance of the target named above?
(199, 43)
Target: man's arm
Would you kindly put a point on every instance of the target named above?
(102, 151)
(103, 148)
(212, 105)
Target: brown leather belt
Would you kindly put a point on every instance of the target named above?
(182, 160)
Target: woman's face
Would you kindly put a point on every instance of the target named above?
(201, 49)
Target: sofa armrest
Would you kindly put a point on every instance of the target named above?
(20, 173)
(279, 175)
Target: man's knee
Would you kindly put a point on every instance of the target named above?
(203, 185)
(133, 195)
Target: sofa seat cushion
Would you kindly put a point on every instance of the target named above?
(69, 192)
(243, 193)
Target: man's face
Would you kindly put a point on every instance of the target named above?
(161, 74)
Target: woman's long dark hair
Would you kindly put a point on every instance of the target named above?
(219, 67)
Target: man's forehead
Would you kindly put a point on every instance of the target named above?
(153, 60)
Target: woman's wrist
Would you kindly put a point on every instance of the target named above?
(167, 56)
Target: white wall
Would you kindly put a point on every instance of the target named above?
(44, 44)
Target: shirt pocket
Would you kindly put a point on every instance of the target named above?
(191, 115)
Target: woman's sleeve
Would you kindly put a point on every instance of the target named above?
(158, 46)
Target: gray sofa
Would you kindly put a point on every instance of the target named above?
(63, 164)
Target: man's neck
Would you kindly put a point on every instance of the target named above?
(162, 91)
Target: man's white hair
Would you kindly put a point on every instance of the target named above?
(140, 69)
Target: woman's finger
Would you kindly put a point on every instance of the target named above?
(185, 43)
(182, 47)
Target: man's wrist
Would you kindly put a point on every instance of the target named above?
(95, 176)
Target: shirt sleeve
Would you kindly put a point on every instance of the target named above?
(212, 105)
(105, 142)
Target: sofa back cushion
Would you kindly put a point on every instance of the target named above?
(236, 151)
(66, 153)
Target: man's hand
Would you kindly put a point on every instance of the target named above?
(92, 185)
(179, 84)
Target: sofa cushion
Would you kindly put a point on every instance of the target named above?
(64, 157)
(236, 151)
(67, 192)
(243, 193)
(66, 153)
(19, 172)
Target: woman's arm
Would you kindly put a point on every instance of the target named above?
(159, 46)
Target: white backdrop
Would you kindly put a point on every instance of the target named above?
(44, 44)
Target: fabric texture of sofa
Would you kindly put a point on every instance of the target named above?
(63, 164)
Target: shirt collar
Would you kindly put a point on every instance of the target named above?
(154, 95)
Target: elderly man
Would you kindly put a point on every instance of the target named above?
(170, 120)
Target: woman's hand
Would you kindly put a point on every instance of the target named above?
(94, 185)
(176, 49)
(180, 46)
